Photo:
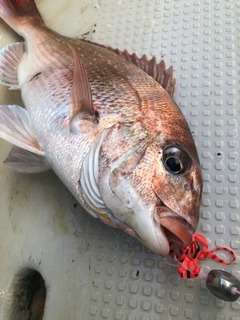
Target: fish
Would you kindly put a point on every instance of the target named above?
(105, 122)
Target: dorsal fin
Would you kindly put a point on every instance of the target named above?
(81, 96)
(156, 70)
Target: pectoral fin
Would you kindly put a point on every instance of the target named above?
(81, 97)
(15, 128)
(25, 161)
(10, 58)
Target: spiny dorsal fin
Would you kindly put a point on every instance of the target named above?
(25, 161)
(156, 70)
(81, 96)
(15, 128)
(10, 58)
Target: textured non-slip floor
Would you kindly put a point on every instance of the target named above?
(92, 271)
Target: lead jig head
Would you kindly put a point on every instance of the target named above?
(223, 285)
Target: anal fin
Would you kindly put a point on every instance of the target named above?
(10, 58)
(25, 161)
(15, 128)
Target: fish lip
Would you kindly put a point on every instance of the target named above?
(177, 229)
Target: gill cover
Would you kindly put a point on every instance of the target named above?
(119, 156)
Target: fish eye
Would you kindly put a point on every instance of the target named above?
(176, 160)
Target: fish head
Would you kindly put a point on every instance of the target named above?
(152, 187)
(177, 181)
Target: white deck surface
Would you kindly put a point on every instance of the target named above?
(92, 271)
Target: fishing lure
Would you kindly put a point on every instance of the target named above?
(220, 283)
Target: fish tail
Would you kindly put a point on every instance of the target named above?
(16, 13)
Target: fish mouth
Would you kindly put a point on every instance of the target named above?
(177, 229)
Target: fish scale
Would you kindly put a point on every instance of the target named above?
(103, 121)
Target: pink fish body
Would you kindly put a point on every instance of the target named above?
(109, 130)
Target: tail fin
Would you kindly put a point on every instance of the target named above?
(16, 12)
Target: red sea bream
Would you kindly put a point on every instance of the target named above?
(106, 123)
